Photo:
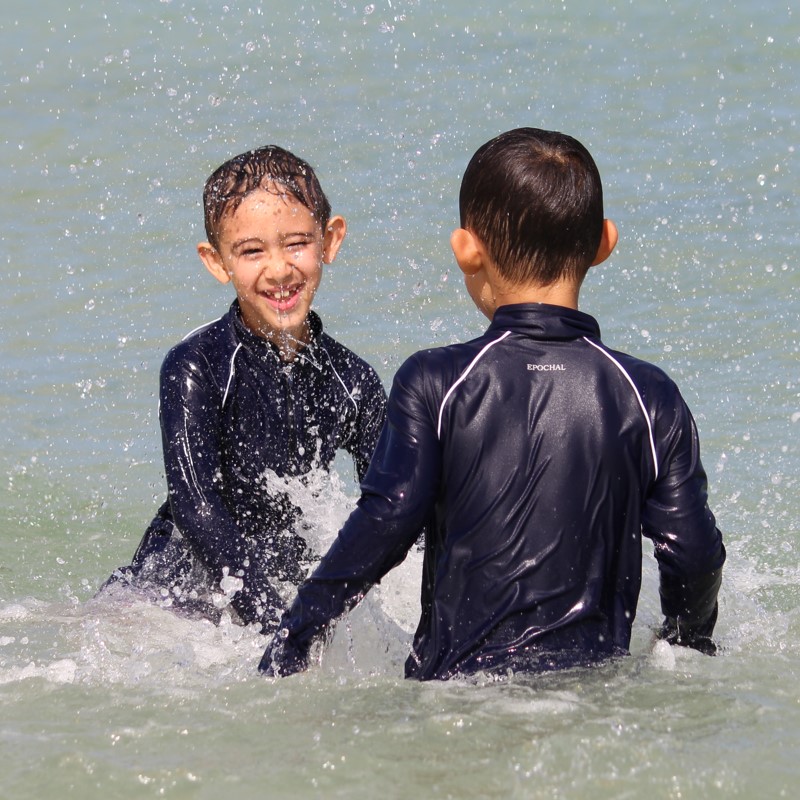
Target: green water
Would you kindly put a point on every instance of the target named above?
(114, 113)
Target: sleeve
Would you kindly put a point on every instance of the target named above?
(398, 495)
(370, 421)
(688, 545)
(190, 415)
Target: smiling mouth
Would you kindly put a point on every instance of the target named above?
(284, 298)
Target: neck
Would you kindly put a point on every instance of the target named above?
(288, 342)
(556, 294)
(289, 345)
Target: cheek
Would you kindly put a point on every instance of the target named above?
(244, 277)
(310, 265)
(248, 270)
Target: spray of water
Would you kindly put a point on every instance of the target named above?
(122, 638)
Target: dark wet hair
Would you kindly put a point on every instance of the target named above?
(535, 200)
(230, 183)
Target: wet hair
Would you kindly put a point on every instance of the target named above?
(535, 200)
(263, 168)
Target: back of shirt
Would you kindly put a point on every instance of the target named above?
(546, 461)
(535, 457)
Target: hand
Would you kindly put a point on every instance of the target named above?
(281, 658)
(698, 638)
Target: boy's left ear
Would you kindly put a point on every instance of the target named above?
(608, 241)
(332, 238)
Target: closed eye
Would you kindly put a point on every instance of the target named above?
(247, 247)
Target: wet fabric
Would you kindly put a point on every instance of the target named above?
(536, 458)
(235, 419)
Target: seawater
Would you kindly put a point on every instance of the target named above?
(112, 116)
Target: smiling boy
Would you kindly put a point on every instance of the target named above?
(272, 248)
(260, 392)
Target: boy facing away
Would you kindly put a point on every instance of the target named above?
(262, 391)
(535, 456)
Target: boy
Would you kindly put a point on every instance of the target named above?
(535, 456)
(261, 390)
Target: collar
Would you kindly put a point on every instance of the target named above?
(266, 349)
(543, 321)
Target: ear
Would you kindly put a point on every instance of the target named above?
(608, 241)
(332, 239)
(213, 261)
(468, 251)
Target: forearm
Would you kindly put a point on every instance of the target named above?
(218, 543)
(397, 499)
(190, 426)
(342, 578)
(688, 544)
(690, 608)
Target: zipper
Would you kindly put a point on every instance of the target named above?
(290, 416)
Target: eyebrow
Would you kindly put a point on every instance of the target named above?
(304, 234)
(246, 240)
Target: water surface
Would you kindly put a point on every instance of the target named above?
(113, 114)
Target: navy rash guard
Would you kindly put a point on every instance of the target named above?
(232, 411)
(536, 458)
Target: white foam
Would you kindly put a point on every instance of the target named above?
(663, 656)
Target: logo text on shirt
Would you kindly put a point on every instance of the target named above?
(546, 368)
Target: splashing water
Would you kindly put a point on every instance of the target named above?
(120, 638)
(118, 117)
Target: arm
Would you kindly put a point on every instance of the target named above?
(688, 544)
(398, 494)
(370, 421)
(190, 413)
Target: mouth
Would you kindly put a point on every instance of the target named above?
(284, 298)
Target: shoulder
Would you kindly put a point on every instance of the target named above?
(658, 391)
(631, 365)
(346, 362)
(453, 359)
(207, 347)
(434, 370)
(644, 371)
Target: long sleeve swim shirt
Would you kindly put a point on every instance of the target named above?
(536, 458)
(234, 416)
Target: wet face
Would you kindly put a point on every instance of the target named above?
(272, 249)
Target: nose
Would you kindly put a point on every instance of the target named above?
(277, 268)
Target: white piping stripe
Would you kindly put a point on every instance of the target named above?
(638, 398)
(200, 328)
(306, 355)
(230, 374)
(463, 377)
(192, 477)
(330, 361)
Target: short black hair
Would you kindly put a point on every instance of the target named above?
(230, 183)
(535, 200)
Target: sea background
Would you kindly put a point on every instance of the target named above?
(113, 113)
